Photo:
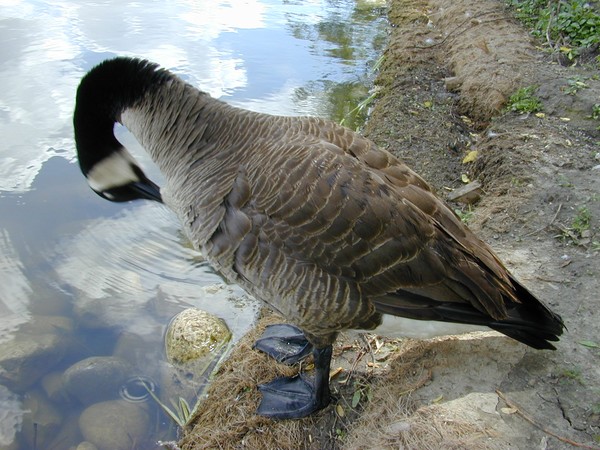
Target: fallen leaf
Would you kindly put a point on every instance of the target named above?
(335, 372)
(356, 398)
(339, 410)
(540, 115)
(465, 178)
(471, 156)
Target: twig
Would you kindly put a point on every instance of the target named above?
(529, 419)
(547, 225)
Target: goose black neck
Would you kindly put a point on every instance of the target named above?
(103, 94)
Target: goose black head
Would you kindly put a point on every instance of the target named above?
(118, 178)
(103, 94)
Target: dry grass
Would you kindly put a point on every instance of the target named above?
(226, 418)
(393, 420)
(389, 419)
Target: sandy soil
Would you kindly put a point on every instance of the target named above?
(449, 68)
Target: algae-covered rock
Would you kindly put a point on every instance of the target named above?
(194, 334)
(195, 341)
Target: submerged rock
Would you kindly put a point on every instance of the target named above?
(97, 378)
(41, 420)
(195, 341)
(194, 334)
(68, 435)
(33, 351)
(53, 386)
(115, 425)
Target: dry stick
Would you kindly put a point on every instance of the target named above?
(529, 419)
(547, 225)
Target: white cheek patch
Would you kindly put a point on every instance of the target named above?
(113, 171)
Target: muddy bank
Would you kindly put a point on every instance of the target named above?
(449, 69)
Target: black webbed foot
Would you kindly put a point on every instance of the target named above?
(299, 396)
(286, 343)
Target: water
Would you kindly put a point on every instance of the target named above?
(101, 277)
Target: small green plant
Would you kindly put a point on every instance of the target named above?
(524, 101)
(563, 181)
(578, 232)
(581, 221)
(465, 216)
(573, 374)
(575, 84)
(181, 414)
(567, 26)
(361, 108)
(596, 111)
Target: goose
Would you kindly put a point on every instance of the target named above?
(312, 218)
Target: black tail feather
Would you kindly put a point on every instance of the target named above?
(528, 321)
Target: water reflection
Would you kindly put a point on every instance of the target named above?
(83, 278)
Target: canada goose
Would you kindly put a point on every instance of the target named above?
(329, 230)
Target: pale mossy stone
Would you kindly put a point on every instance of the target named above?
(194, 334)
(195, 342)
(97, 378)
(115, 425)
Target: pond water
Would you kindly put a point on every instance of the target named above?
(81, 277)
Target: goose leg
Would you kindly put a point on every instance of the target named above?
(285, 343)
(299, 396)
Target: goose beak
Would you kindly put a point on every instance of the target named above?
(147, 190)
(134, 190)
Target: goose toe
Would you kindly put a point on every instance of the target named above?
(290, 398)
(285, 343)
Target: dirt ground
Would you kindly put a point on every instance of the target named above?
(449, 69)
